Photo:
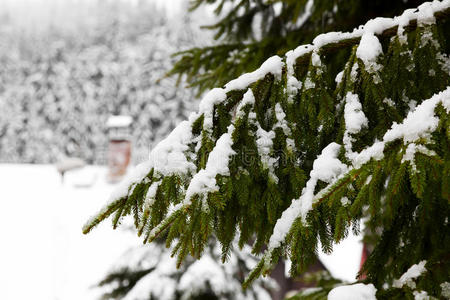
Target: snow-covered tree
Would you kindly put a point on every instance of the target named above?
(150, 272)
(58, 86)
(250, 31)
(351, 128)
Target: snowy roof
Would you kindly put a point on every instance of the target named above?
(119, 121)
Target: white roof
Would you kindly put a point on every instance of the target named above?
(119, 121)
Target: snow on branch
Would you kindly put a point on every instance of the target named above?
(330, 170)
(268, 149)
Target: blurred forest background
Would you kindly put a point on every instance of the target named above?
(66, 67)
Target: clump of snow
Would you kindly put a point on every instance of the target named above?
(315, 59)
(326, 168)
(309, 84)
(354, 117)
(388, 101)
(344, 201)
(264, 143)
(293, 86)
(339, 76)
(359, 291)
(281, 121)
(248, 98)
(354, 72)
(444, 62)
(378, 25)
(445, 289)
(427, 37)
(138, 173)
(375, 151)
(290, 143)
(368, 51)
(369, 48)
(206, 106)
(403, 21)
(418, 123)
(168, 157)
(273, 65)
(292, 55)
(205, 180)
(355, 120)
(335, 37)
(409, 276)
(422, 295)
(425, 14)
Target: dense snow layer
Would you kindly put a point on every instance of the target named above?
(44, 255)
(272, 65)
(370, 47)
(357, 291)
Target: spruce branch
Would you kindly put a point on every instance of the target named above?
(154, 232)
(247, 152)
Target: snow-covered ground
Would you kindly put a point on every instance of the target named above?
(43, 254)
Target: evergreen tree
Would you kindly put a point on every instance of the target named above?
(58, 88)
(150, 272)
(250, 31)
(353, 127)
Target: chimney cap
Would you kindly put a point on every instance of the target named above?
(119, 121)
